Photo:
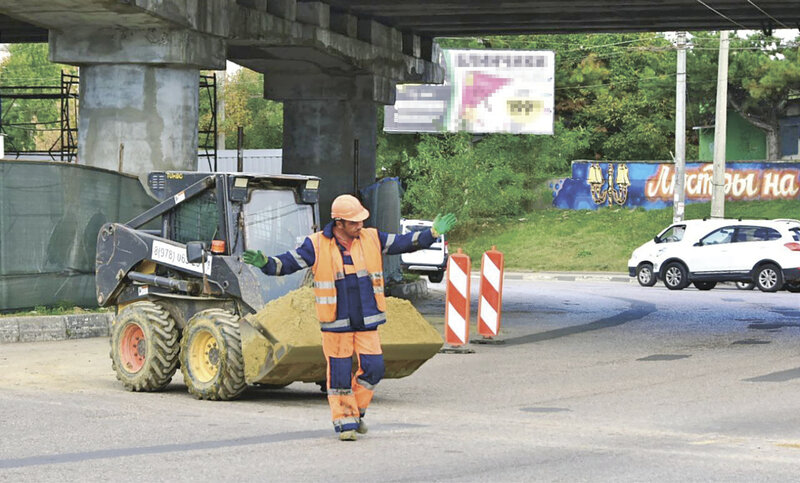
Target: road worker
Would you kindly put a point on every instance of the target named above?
(345, 259)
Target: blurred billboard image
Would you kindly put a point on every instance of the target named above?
(485, 91)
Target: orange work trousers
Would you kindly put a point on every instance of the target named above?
(349, 394)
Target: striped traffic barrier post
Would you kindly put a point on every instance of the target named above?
(490, 298)
(456, 317)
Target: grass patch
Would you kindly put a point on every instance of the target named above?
(60, 309)
(583, 240)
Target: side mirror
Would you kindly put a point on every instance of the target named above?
(194, 251)
(698, 244)
(656, 239)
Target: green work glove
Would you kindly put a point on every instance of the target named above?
(254, 257)
(443, 224)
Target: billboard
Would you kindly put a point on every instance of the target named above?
(485, 91)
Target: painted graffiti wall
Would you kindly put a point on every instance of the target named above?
(651, 184)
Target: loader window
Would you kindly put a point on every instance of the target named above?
(275, 222)
(196, 219)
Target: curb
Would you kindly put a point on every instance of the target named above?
(54, 327)
(82, 326)
(571, 276)
(43, 328)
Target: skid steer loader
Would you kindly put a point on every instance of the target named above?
(184, 297)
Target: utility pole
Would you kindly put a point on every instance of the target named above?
(679, 199)
(221, 110)
(720, 128)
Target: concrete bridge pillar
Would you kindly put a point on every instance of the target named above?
(330, 128)
(138, 94)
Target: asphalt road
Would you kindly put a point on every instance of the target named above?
(596, 382)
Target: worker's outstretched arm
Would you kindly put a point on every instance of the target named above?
(285, 263)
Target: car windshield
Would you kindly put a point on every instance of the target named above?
(672, 234)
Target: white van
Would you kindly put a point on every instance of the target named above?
(428, 261)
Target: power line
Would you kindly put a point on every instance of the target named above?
(768, 15)
(666, 76)
(583, 48)
(721, 14)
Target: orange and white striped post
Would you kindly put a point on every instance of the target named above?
(456, 317)
(490, 300)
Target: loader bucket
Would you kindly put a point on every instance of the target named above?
(282, 344)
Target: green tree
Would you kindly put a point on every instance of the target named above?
(762, 76)
(245, 106)
(460, 177)
(615, 96)
(31, 124)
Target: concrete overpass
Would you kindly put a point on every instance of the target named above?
(331, 63)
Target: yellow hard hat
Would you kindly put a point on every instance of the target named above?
(347, 207)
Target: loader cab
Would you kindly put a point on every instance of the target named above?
(238, 210)
(228, 213)
(275, 220)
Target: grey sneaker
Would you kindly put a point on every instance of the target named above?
(362, 427)
(348, 435)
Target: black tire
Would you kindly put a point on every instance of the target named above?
(144, 347)
(769, 278)
(211, 356)
(793, 287)
(676, 276)
(436, 277)
(704, 285)
(645, 275)
(745, 285)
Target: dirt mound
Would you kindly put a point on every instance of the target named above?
(293, 319)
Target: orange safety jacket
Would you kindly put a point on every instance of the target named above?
(329, 273)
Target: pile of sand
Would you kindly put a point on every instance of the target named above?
(293, 319)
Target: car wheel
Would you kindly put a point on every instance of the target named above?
(645, 276)
(769, 278)
(675, 276)
(436, 277)
(745, 285)
(704, 285)
(793, 287)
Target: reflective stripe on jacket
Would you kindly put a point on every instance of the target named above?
(329, 274)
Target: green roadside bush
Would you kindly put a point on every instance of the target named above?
(583, 240)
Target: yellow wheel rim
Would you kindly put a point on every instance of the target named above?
(204, 356)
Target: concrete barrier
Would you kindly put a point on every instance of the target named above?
(54, 327)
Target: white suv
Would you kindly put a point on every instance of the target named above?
(764, 252)
(430, 261)
(651, 254)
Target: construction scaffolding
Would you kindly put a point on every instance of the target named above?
(65, 146)
(207, 135)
